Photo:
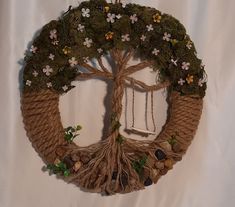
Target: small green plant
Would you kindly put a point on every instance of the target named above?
(172, 140)
(59, 168)
(138, 165)
(71, 133)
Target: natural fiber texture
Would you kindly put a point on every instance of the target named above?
(115, 155)
(61, 54)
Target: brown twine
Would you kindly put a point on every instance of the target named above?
(100, 160)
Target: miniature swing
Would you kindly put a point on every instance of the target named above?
(135, 130)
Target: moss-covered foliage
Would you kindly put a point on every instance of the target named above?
(94, 28)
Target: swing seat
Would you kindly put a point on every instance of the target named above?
(143, 131)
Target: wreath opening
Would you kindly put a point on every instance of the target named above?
(61, 54)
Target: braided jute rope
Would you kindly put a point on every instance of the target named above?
(99, 161)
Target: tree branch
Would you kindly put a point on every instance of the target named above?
(102, 65)
(144, 87)
(137, 67)
(96, 74)
(89, 67)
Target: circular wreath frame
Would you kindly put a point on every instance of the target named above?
(116, 164)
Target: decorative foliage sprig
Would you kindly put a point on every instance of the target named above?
(71, 133)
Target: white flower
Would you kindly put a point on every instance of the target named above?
(133, 18)
(149, 27)
(143, 38)
(85, 59)
(55, 42)
(28, 83)
(119, 16)
(126, 38)
(85, 12)
(51, 56)
(202, 66)
(65, 88)
(111, 17)
(155, 52)
(202, 80)
(53, 34)
(99, 50)
(189, 45)
(123, 5)
(49, 85)
(73, 62)
(35, 73)
(33, 49)
(87, 42)
(174, 61)
(166, 37)
(181, 81)
(81, 28)
(185, 66)
(47, 70)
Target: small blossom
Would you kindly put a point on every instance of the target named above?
(155, 52)
(185, 66)
(202, 80)
(53, 34)
(85, 59)
(65, 88)
(51, 56)
(73, 62)
(119, 16)
(189, 45)
(49, 85)
(181, 81)
(149, 27)
(110, 18)
(143, 38)
(81, 28)
(166, 37)
(99, 50)
(55, 42)
(174, 42)
(67, 50)
(123, 5)
(157, 18)
(28, 83)
(106, 9)
(85, 12)
(109, 35)
(33, 49)
(87, 42)
(133, 18)
(174, 61)
(126, 38)
(202, 66)
(47, 70)
(35, 73)
(189, 79)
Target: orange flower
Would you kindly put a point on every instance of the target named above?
(157, 18)
(109, 35)
(189, 79)
(67, 50)
(106, 9)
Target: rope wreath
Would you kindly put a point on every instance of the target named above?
(61, 54)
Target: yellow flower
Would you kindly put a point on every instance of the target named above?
(109, 35)
(106, 9)
(157, 18)
(67, 50)
(189, 79)
(174, 42)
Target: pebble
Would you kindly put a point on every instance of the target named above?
(159, 165)
(148, 182)
(155, 172)
(57, 161)
(168, 163)
(160, 155)
(75, 157)
(166, 146)
(124, 180)
(84, 159)
(68, 161)
(77, 166)
(176, 147)
(164, 171)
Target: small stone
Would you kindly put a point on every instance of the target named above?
(166, 146)
(57, 161)
(132, 181)
(114, 176)
(160, 155)
(84, 159)
(155, 172)
(176, 147)
(77, 166)
(148, 182)
(168, 163)
(124, 180)
(159, 165)
(68, 161)
(164, 171)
